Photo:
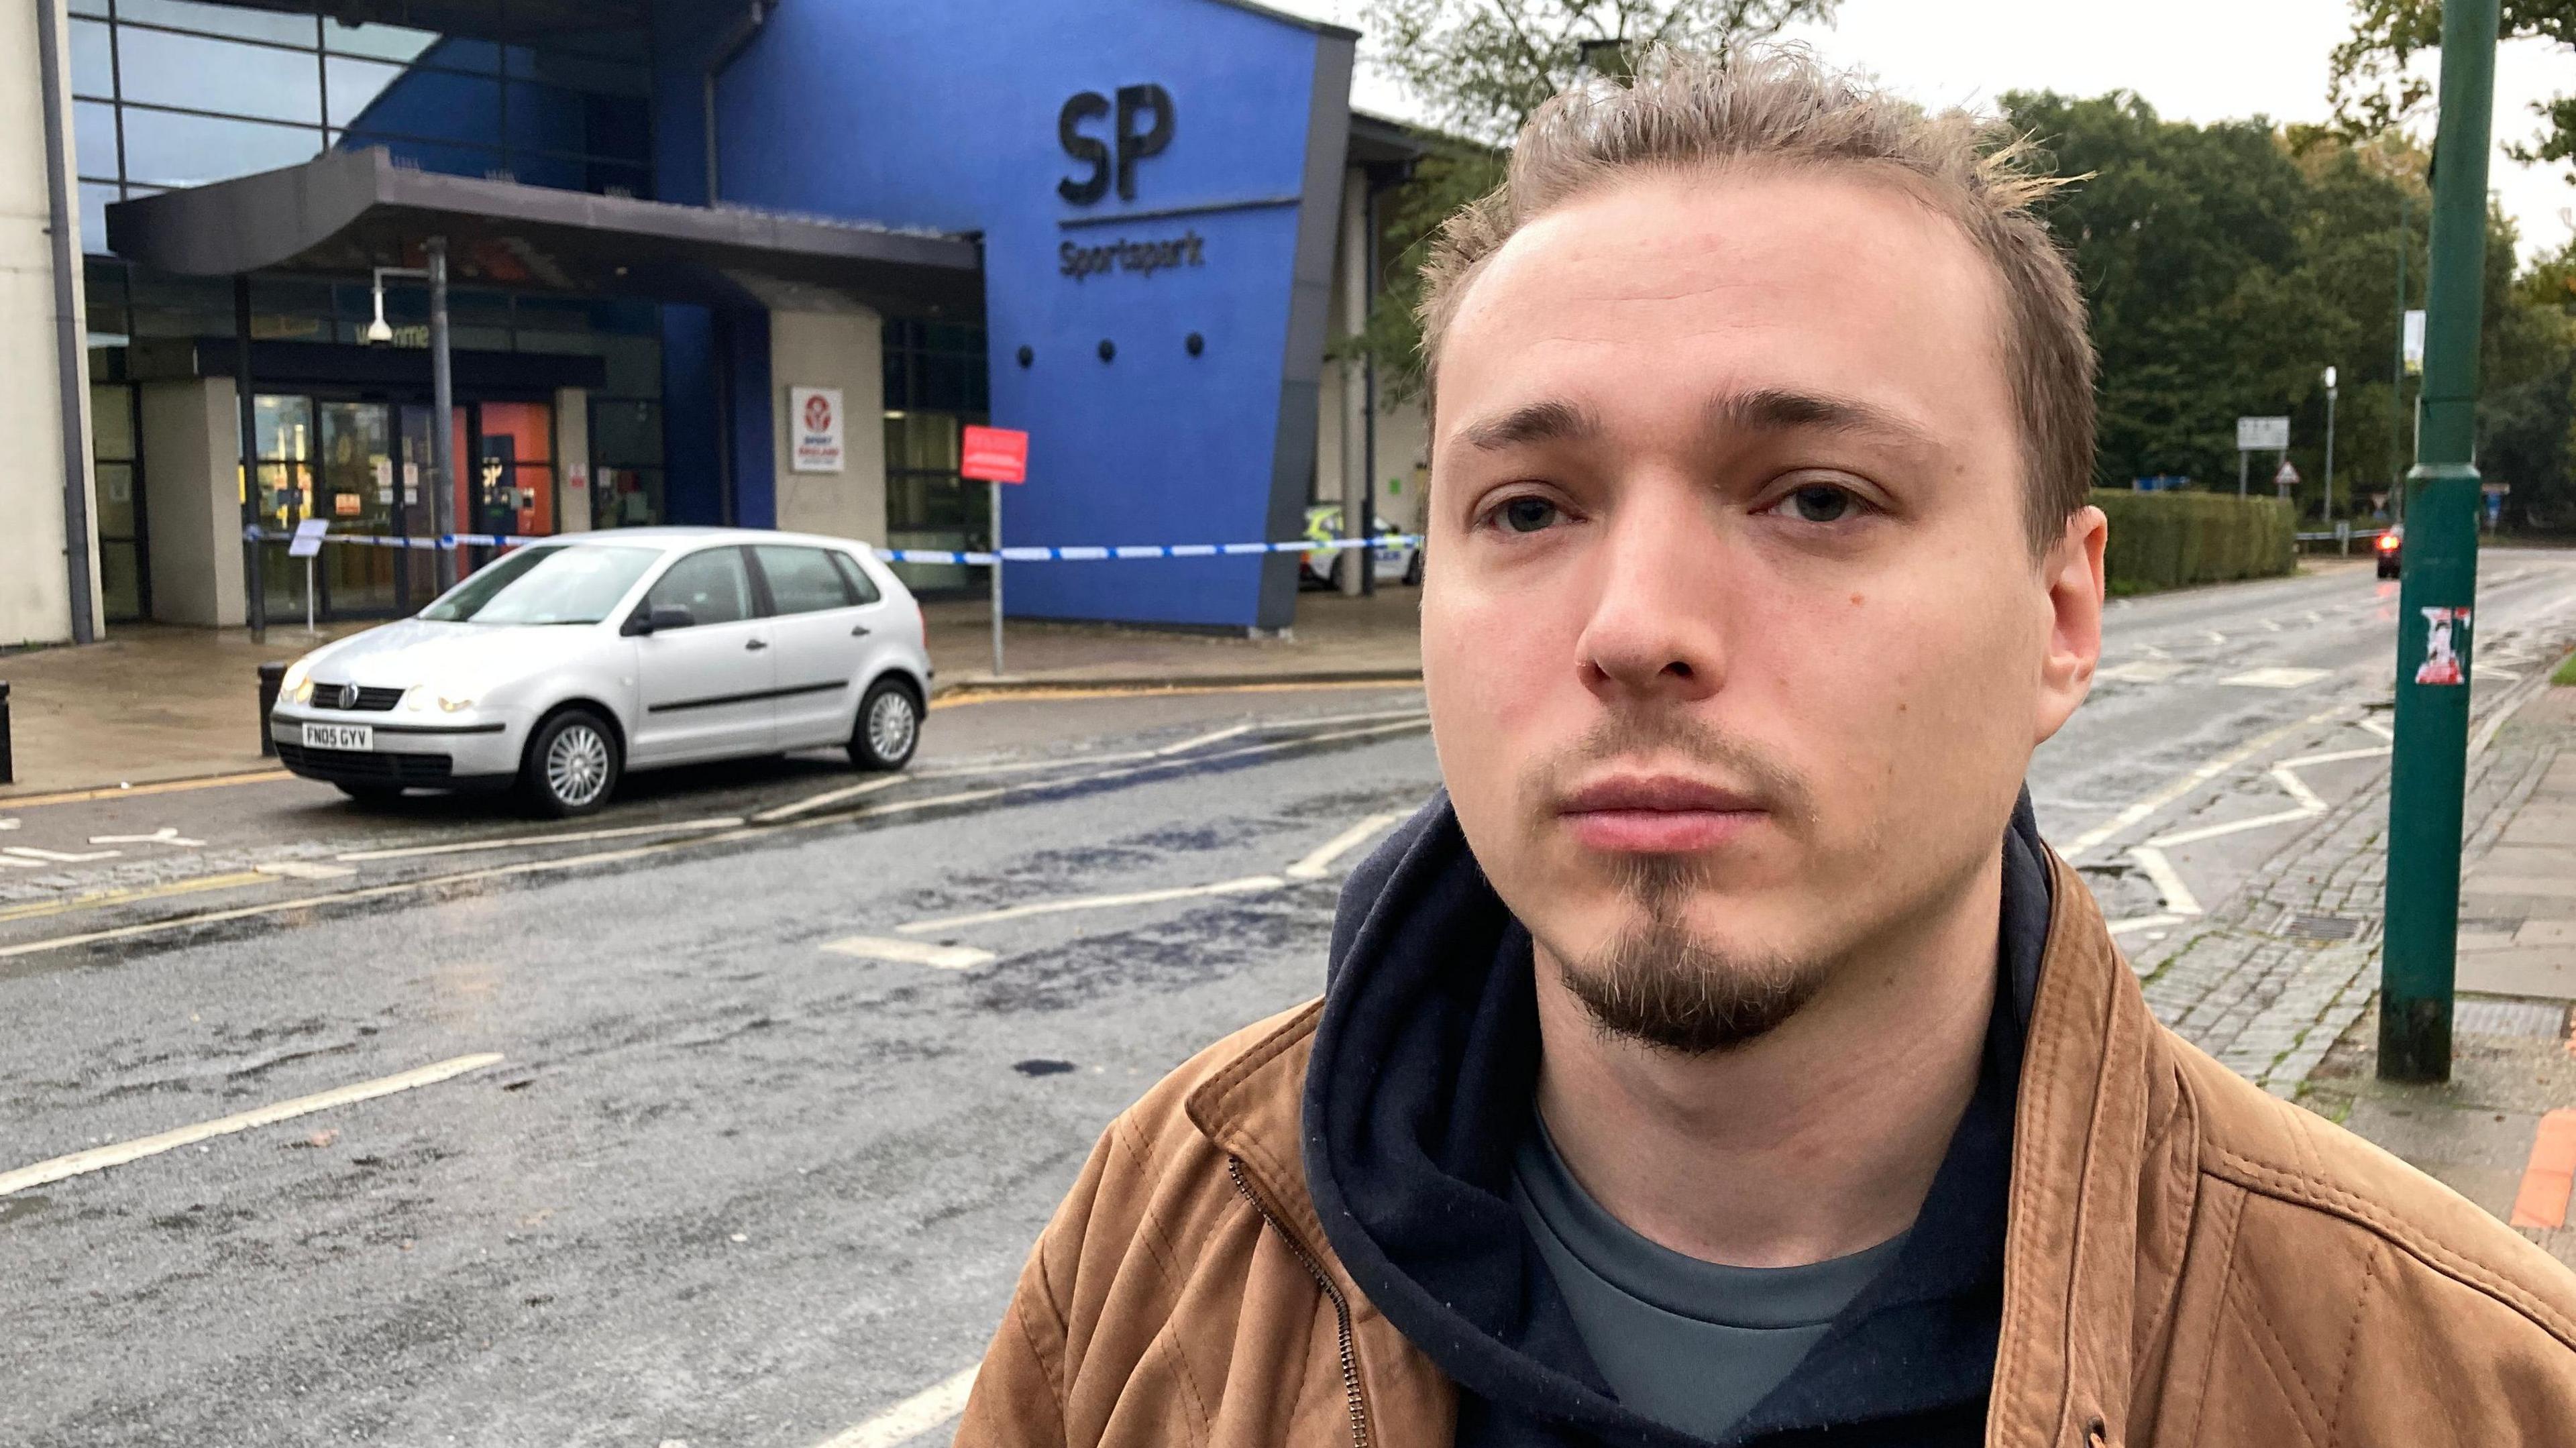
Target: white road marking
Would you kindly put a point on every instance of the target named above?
(166, 835)
(1321, 858)
(2489, 670)
(2337, 757)
(99, 1158)
(15, 863)
(910, 952)
(2143, 922)
(1247, 885)
(827, 798)
(304, 870)
(2373, 726)
(2276, 678)
(2153, 652)
(60, 857)
(910, 1418)
(2270, 627)
(2214, 636)
(462, 847)
(2232, 827)
(1213, 736)
(8, 824)
(2314, 617)
(2168, 882)
(2297, 789)
(2137, 813)
(2141, 671)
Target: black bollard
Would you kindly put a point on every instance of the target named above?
(270, 677)
(8, 770)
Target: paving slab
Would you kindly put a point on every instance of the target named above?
(2546, 973)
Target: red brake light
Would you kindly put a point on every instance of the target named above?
(2387, 542)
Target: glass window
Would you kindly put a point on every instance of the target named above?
(250, 24)
(111, 423)
(385, 42)
(354, 85)
(90, 7)
(93, 60)
(545, 586)
(713, 586)
(626, 432)
(285, 427)
(166, 149)
(94, 139)
(862, 587)
(802, 580)
(93, 199)
(159, 68)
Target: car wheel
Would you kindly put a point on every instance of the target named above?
(888, 727)
(369, 794)
(571, 765)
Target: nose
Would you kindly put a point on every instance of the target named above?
(1657, 629)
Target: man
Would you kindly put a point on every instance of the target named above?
(1724, 1059)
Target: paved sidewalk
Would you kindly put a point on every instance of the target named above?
(154, 703)
(2502, 1131)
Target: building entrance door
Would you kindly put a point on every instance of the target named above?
(356, 489)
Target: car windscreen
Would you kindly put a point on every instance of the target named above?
(545, 585)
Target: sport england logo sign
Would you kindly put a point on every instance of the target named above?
(817, 415)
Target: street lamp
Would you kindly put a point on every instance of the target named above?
(2330, 402)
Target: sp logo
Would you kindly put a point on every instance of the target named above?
(1128, 143)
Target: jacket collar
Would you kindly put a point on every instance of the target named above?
(2103, 1179)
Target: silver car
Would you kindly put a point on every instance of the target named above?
(561, 665)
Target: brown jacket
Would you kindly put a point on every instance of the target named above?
(2188, 1262)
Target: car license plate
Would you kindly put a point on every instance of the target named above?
(339, 736)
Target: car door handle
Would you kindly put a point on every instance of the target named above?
(858, 630)
(756, 645)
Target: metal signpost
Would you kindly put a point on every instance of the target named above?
(307, 545)
(2430, 765)
(997, 455)
(2258, 434)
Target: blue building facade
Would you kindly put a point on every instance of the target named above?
(1159, 192)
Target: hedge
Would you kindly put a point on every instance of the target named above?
(2169, 540)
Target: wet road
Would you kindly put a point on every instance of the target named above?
(756, 1163)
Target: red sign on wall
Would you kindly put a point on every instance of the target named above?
(995, 455)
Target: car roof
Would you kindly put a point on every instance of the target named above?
(675, 538)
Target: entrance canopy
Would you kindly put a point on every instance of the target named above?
(345, 212)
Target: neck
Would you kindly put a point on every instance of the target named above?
(1817, 1140)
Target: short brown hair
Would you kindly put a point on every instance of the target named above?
(1777, 106)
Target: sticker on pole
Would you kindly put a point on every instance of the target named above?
(995, 455)
(817, 411)
(2445, 635)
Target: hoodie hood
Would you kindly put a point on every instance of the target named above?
(1418, 1093)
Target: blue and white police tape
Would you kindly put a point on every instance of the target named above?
(1076, 554)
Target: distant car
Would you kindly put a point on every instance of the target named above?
(2389, 546)
(1390, 560)
(559, 666)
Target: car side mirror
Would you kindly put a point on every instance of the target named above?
(659, 617)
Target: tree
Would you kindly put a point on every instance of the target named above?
(2376, 87)
(1479, 68)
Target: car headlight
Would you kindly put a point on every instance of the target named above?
(296, 687)
(421, 698)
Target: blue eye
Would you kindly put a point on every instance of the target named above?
(1528, 515)
(1820, 504)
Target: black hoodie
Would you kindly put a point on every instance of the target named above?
(1419, 1091)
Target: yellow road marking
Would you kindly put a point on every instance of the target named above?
(167, 786)
(96, 899)
(968, 694)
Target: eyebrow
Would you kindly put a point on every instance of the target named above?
(1533, 422)
(1774, 409)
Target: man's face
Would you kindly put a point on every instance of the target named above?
(1735, 643)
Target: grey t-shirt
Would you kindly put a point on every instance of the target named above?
(1690, 1344)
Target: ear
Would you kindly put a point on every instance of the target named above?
(2072, 573)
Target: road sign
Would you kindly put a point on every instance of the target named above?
(308, 538)
(2287, 476)
(817, 418)
(2262, 434)
(995, 455)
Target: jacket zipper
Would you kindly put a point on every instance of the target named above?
(1341, 1304)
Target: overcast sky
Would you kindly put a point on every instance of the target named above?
(2198, 60)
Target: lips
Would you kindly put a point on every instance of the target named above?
(1657, 814)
